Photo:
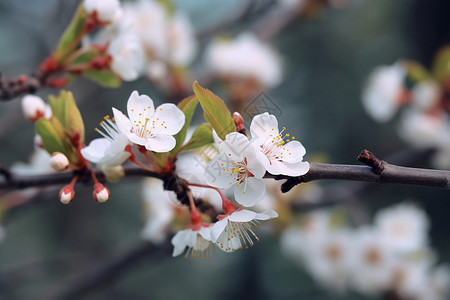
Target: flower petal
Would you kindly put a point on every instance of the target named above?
(169, 119)
(297, 152)
(180, 241)
(250, 192)
(96, 149)
(218, 228)
(122, 122)
(268, 214)
(233, 146)
(254, 164)
(140, 106)
(264, 125)
(160, 143)
(242, 215)
(218, 173)
(288, 169)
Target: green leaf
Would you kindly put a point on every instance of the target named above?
(201, 137)
(416, 72)
(104, 77)
(187, 106)
(72, 36)
(52, 134)
(441, 65)
(215, 111)
(66, 111)
(86, 57)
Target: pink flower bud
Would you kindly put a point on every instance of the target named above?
(33, 107)
(59, 162)
(101, 193)
(66, 194)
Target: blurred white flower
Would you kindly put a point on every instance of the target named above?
(422, 129)
(426, 94)
(159, 208)
(182, 45)
(382, 93)
(127, 56)
(329, 261)
(245, 57)
(372, 262)
(403, 228)
(34, 108)
(108, 11)
(147, 19)
(39, 164)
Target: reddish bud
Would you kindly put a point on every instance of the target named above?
(33, 107)
(239, 122)
(66, 194)
(101, 193)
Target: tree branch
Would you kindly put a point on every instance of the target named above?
(376, 171)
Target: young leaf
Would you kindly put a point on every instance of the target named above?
(52, 134)
(187, 106)
(66, 111)
(72, 36)
(104, 77)
(215, 111)
(201, 136)
(441, 64)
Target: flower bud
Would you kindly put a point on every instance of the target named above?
(101, 193)
(33, 107)
(239, 122)
(66, 194)
(114, 174)
(59, 162)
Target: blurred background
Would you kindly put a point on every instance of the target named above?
(90, 251)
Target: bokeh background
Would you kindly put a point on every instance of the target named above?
(50, 248)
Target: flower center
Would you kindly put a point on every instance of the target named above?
(143, 127)
(274, 148)
(240, 172)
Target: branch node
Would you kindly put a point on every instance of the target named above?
(368, 158)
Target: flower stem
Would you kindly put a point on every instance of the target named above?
(227, 205)
(196, 217)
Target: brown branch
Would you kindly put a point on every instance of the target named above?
(377, 171)
(21, 85)
(318, 171)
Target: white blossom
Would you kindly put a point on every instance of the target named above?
(236, 230)
(403, 228)
(59, 162)
(108, 151)
(198, 241)
(108, 11)
(34, 108)
(127, 56)
(245, 57)
(382, 92)
(150, 127)
(279, 154)
(238, 167)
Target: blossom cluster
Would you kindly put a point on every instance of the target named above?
(144, 38)
(425, 119)
(391, 256)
